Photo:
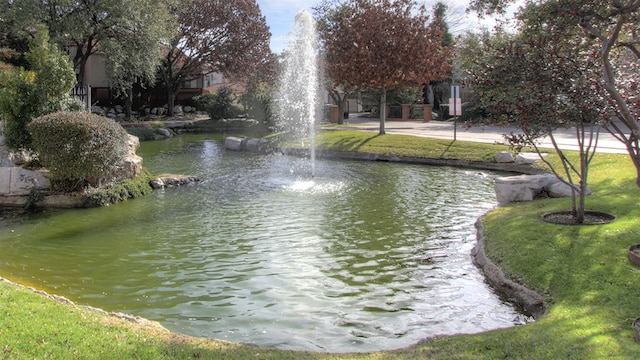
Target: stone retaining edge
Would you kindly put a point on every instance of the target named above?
(531, 302)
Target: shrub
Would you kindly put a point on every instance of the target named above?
(202, 102)
(128, 189)
(18, 103)
(219, 105)
(28, 94)
(143, 134)
(79, 147)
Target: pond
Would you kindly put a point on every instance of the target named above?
(364, 256)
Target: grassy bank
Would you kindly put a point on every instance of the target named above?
(592, 289)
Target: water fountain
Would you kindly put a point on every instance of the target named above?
(298, 103)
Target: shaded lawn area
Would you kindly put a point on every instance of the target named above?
(593, 291)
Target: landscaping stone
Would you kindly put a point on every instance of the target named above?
(560, 189)
(529, 187)
(234, 143)
(504, 157)
(164, 132)
(165, 181)
(16, 181)
(526, 158)
(520, 188)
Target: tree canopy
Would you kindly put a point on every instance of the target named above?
(381, 44)
(538, 83)
(610, 28)
(131, 30)
(230, 37)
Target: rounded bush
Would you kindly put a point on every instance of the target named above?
(79, 147)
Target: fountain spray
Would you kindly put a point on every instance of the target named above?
(297, 98)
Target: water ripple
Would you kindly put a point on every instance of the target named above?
(362, 257)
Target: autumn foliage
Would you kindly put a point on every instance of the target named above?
(229, 37)
(383, 43)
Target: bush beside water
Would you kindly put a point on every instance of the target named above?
(79, 148)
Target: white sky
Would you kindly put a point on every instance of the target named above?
(280, 17)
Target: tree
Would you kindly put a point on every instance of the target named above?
(612, 27)
(257, 98)
(27, 94)
(382, 44)
(539, 83)
(230, 37)
(438, 89)
(130, 33)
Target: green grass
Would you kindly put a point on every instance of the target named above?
(582, 271)
(406, 145)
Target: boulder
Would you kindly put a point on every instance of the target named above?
(132, 166)
(521, 188)
(164, 132)
(528, 187)
(504, 157)
(234, 143)
(98, 110)
(133, 142)
(526, 158)
(257, 145)
(165, 181)
(16, 181)
(560, 189)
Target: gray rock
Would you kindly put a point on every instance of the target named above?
(526, 158)
(257, 145)
(559, 189)
(164, 132)
(16, 181)
(521, 188)
(97, 110)
(234, 143)
(166, 181)
(504, 157)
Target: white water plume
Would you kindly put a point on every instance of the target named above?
(298, 103)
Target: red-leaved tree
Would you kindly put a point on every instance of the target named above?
(381, 45)
(229, 37)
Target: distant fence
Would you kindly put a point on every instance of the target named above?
(83, 93)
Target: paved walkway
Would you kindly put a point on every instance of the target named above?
(486, 134)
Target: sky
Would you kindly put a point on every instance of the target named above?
(280, 16)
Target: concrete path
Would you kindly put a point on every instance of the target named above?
(486, 134)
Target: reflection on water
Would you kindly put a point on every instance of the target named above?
(364, 256)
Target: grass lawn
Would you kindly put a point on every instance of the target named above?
(593, 291)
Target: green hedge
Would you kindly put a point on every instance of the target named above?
(79, 148)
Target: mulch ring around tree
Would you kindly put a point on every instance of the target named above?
(590, 218)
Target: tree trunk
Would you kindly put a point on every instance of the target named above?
(341, 101)
(128, 103)
(584, 167)
(383, 104)
(171, 98)
(342, 106)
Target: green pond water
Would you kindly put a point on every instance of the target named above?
(364, 256)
